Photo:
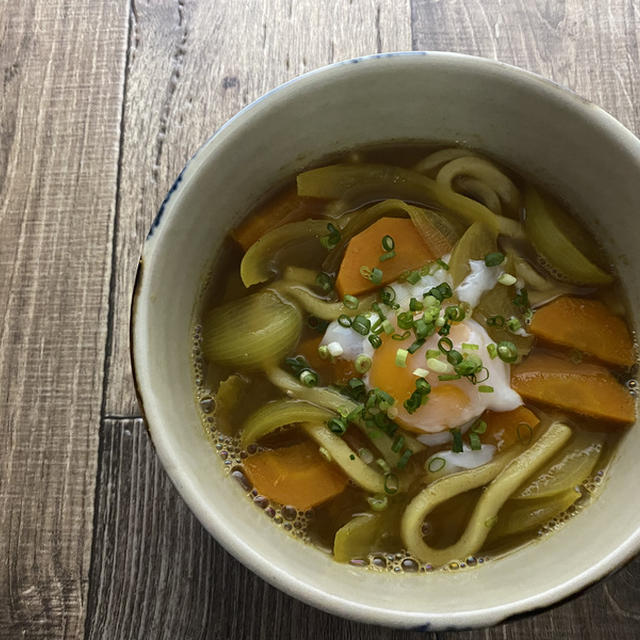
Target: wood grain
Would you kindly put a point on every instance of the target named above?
(59, 132)
(192, 65)
(158, 574)
(590, 46)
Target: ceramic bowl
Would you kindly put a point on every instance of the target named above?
(567, 144)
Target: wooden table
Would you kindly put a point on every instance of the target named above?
(102, 103)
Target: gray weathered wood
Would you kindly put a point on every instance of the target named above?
(192, 65)
(158, 574)
(590, 46)
(61, 71)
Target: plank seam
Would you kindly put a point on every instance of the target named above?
(90, 611)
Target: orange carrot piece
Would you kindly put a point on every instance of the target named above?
(286, 207)
(586, 389)
(365, 249)
(505, 428)
(298, 475)
(586, 325)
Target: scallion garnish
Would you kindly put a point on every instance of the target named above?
(391, 483)
(438, 366)
(507, 279)
(474, 442)
(363, 363)
(375, 341)
(436, 464)
(387, 295)
(454, 357)
(479, 426)
(449, 376)
(444, 329)
(494, 259)
(495, 321)
(492, 349)
(507, 351)
(433, 353)
(445, 345)
(397, 445)
(376, 275)
(331, 240)
(470, 347)
(443, 264)
(308, 378)
(413, 277)
(513, 324)
(485, 388)
(317, 324)
(344, 321)
(361, 324)
(404, 459)
(323, 352)
(351, 302)
(455, 313)
(378, 502)
(337, 426)
(415, 305)
(415, 346)
(376, 307)
(401, 357)
(456, 445)
(387, 256)
(388, 243)
(324, 281)
(401, 336)
(387, 327)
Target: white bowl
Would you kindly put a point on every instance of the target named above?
(566, 143)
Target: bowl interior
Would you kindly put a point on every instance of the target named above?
(573, 148)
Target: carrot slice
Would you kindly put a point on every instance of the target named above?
(587, 389)
(288, 206)
(297, 475)
(586, 325)
(505, 428)
(365, 249)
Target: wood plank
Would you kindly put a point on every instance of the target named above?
(591, 46)
(59, 134)
(192, 66)
(158, 574)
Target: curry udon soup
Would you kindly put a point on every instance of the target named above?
(414, 359)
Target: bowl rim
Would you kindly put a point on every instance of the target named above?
(306, 592)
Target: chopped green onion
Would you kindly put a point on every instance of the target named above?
(445, 345)
(337, 426)
(365, 272)
(351, 302)
(387, 295)
(387, 256)
(404, 459)
(440, 321)
(317, 324)
(493, 350)
(444, 329)
(375, 341)
(344, 320)
(495, 321)
(324, 281)
(525, 432)
(388, 244)
(413, 277)
(415, 305)
(325, 454)
(363, 363)
(422, 329)
(376, 275)
(449, 376)
(387, 327)
(507, 351)
(485, 388)
(376, 307)
(479, 426)
(513, 324)
(433, 353)
(308, 378)
(455, 313)
(383, 464)
(378, 502)
(507, 279)
(365, 455)
(454, 357)
(456, 446)
(361, 325)
(323, 352)
(474, 442)
(401, 357)
(331, 240)
(494, 259)
(405, 320)
(443, 264)
(421, 373)
(438, 366)
(391, 483)
(376, 327)
(422, 385)
(351, 456)
(470, 347)
(522, 300)
(486, 377)
(415, 346)
(397, 445)
(401, 336)
(436, 464)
